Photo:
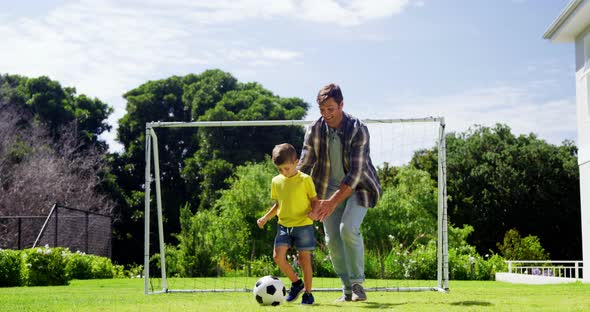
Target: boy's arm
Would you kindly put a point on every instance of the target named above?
(315, 202)
(269, 215)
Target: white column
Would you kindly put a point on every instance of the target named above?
(585, 206)
(583, 121)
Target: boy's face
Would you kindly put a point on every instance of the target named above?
(332, 112)
(289, 168)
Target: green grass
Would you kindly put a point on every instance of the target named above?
(127, 295)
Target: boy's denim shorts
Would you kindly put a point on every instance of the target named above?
(302, 237)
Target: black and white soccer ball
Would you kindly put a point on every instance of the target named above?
(269, 290)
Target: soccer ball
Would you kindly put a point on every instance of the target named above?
(269, 290)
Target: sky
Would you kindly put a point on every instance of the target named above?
(471, 61)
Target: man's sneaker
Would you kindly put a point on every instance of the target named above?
(358, 293)
(345, 297)
(307, 298)
(294, 292)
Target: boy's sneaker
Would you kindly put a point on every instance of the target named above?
(294, 292)
(307, 298)
(345, 297)
(358, 293)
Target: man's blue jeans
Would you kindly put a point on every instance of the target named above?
(345, 241)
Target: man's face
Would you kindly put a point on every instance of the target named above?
(332, 112)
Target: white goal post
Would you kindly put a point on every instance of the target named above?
(151, 149)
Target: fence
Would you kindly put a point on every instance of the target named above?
(76, 229)
(553, 268)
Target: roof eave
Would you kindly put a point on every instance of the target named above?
(557, 25)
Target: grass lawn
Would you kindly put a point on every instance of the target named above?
(127, 295)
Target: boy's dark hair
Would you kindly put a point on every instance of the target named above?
(283, 153)
(330, 91)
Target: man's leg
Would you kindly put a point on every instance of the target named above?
(353, 245)
(337, 252)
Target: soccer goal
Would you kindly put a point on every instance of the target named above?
(393, 143)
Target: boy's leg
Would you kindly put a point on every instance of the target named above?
(305, 243)
(306, 267)
(280, 257)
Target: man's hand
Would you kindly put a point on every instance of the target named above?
(323, 210)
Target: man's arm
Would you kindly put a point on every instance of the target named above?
(307, 159)
(326, 207)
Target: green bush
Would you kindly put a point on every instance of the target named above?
(83, 266)
(514, 247)
(372, 265)
(102, 267)
(263, 266)
(79, 266)
(396, 263)
(120, 272)
(460, 266)
(322, 265)
(175, 264)
(10, 268)
(133, 271)
(486, 269)
(46, 266)
(422, 262)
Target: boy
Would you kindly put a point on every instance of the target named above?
(294, 194)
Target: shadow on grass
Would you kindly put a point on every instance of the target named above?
(363, 305)
(471, 303)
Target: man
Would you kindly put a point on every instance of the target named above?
(336, 154)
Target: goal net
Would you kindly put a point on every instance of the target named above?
(393, 143)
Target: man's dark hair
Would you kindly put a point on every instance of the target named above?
(282, 153)
(330, 91)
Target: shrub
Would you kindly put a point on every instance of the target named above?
(10, 268)
(322, 265)
(79, 266)
(372, 265)
(120, 272)
(46, 266)
(102, 267)
(460, 265)
(396, 263)
(486, 269)
(422, 262)
(263, 266)
(514, 247)
(133, 271)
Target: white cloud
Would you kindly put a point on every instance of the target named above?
(520, 107)
(104, 48)
(348, 13)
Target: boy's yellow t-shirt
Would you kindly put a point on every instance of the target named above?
(293, 195)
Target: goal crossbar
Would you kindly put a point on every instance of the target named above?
(151, 148)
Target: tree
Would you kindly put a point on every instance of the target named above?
(406, 214)
(497, 181)
(231, 237)
(194, 163)
(56, 106)
(515, 247)
(49, 148)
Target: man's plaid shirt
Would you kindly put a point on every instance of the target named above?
(361, 175)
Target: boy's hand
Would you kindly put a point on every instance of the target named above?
(261, 222)
(313, 214)
(322, 211)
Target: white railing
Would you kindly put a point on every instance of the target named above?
(554, 268)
